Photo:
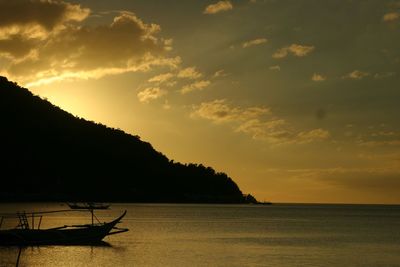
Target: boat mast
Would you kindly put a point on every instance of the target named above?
(91, 211)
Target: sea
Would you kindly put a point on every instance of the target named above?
(278, 235)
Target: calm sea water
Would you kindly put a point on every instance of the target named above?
(226, 235)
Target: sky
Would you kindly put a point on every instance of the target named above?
(296, 100)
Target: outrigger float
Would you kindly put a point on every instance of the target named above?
(27, 233)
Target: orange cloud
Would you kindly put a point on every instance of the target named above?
(392, 16)
(199, 85)
(190, 73)
(318, 77)
(76, 51)
(294, 49)
(356, 75)
(254, 42)
(161, 78)
(150, 94)
(218, 7)
(34, 19)
(253, 121)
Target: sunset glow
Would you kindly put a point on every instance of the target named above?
(297, 101)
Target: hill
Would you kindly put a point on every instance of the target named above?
(50, 155)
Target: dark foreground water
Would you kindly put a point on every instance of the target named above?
(227, 235)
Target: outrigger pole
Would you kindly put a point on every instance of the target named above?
(23, 217)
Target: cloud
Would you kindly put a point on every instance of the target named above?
(220, 73)
(356, 75)
(219, 111)
(318, 77)
(218, 7)
(147, 64)
(258, 122)
(384, 133)
(276, 67)
(279, 132)
(392, 16)
(294, 49)
(380, 138)
(254, 42)
(149, 94)
(169, 79)
(33, 19)
(161, 78)
(390, 143)
(281, 53)
(198, 85)
(16, 47)
(69, 50)
(311, 136)
(189, 73)
(274, 130)
(384, 75)
(300, 50)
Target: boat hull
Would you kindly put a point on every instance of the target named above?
(80, 235)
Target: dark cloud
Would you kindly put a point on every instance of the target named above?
(127, 38)
(39, 44)
(16, 46)
(47, 14)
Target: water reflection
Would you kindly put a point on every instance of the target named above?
(219, 235)
(65, 256)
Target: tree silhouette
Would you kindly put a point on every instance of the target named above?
(49, 154)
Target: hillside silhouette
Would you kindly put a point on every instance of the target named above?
(47, 154)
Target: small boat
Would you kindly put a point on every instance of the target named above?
(88, 205)
(26, 234)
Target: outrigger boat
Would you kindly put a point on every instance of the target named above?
(27, 234)
(88, 205)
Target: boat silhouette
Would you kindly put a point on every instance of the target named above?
(27, 234)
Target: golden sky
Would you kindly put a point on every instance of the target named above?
(297, 101)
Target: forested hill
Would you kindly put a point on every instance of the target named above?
(47, 154)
